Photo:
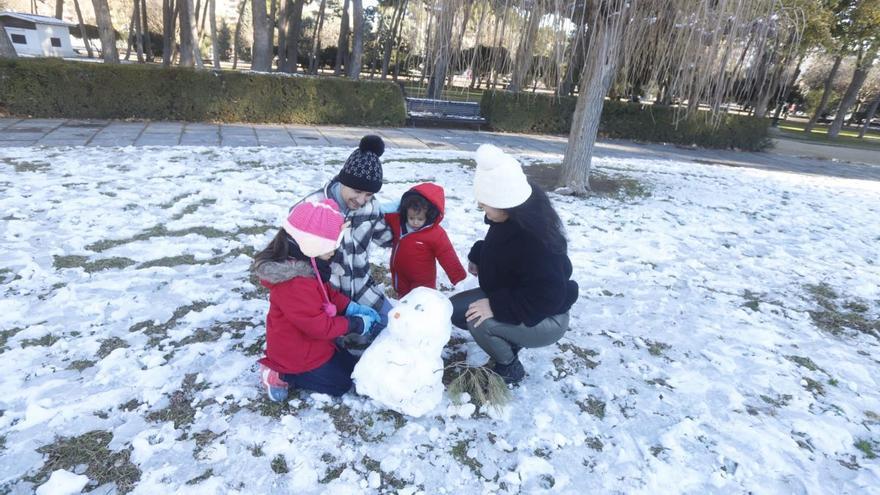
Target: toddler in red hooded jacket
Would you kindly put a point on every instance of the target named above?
(420, 242)
(306, 315)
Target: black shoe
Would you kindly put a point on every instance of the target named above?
(511, 373)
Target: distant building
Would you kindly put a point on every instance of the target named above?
(37, 35)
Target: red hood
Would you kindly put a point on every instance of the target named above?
(434, 194)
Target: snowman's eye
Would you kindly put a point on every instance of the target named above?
(419, 307)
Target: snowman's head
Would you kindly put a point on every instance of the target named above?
(421, 318)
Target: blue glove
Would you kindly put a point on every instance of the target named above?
(355, 309)
(389, 206)
(368, 322)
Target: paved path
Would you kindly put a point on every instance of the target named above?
(69, 132)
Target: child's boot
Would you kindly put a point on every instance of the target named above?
(512, 372)
(275, 386)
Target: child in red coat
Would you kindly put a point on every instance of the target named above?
(306, 315)
(420, 241)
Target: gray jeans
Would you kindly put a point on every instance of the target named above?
(496, 338)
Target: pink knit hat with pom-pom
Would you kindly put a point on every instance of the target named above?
(317, 227)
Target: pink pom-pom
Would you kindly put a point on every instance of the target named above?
(329, 309)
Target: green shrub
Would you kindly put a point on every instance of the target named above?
(56, 88)
(539, 113)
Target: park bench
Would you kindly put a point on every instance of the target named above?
(425, 110)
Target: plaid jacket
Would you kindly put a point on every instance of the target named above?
(351, 264)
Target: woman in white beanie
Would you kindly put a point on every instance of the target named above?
(525, 288)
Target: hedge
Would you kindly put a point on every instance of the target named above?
(57, 88)
(536, 113)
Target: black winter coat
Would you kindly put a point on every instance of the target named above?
(524, 281)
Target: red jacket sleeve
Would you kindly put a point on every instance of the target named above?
(446, 255)
(340, 300)
(301, 305)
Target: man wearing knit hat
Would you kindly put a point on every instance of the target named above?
(353, 190)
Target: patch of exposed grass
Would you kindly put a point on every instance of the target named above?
(868, 448)
(23, 166)
(81, 364)
(836, 313)
(279, 464)
(656, 348)
(45, 341)
(158, 231)
(179, 409)
(91, 450)
(169, 261)
(159, 332)
(593, 406)
(778, 401)
(595, 443)
(5, 335)
(459, 453)
(387, 480)
(804, 362)
(76, 261)
(583, 354)
(200, 478)
(200, 335)
(816, 388)
(110, 345)
(203, 439)
(192, 208)
(130, 405)
(618, 186)
(256, 450)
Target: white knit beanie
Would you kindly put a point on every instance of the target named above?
(499, 181)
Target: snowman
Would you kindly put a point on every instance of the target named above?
(403, 368)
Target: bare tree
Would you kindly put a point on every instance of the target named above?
(237, 36)
(215, 53)
(105, 30)
(441, 51)
(391, 37)
(342, 43)
(869, 115)
(291, 52)
(316, 39)
(526, 48)
(169, 25)
(262, 50)
(187, 48)
(82, 29)
(148, 43)
(864, 62)
(59, 9)
(826, 94)
(357, 42)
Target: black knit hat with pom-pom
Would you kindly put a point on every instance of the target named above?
(363, 170)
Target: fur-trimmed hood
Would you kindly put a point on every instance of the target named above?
(276, 272)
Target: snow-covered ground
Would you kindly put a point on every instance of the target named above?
(701, 358)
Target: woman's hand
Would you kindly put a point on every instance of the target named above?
(472, 269)
(479, 310)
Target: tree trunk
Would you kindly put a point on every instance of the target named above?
(169, 24)
(59, 9)
(148, 43)
(105, 30)
(477, 44)
(293, 33)
(599, 70)
(442, 47)
(525, 51)
(237, 38)
(389, 38)
(316, 39)
(826, 94)
(283, 24)
(863, 66)
(262, 50)
(138, 31)
(6, 48)
(342, 43)
(215, 54)
(784, 98)
(357, 43)
(495, 72)
(129, 42)
(194, 36)
(455, 56)
(82, 29)
(869, 116)
(186, 37)
(396, 44)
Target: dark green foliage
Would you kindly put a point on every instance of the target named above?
(57, 88)
(512, 112)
